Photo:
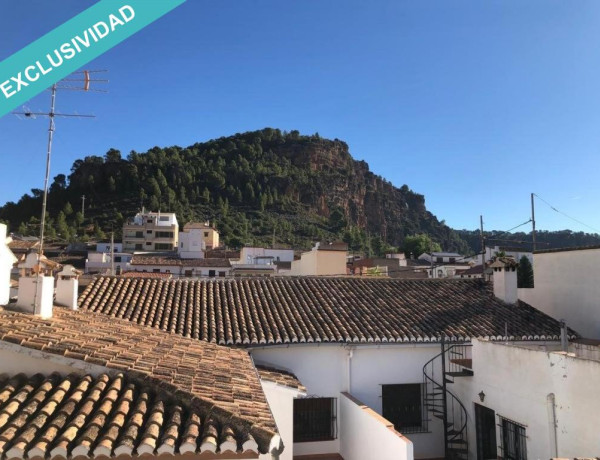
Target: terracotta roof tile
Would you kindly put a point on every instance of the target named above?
(207, 379)
(118, 414)
(279, 376)
(289, 310)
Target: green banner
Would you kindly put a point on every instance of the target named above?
(73, 44)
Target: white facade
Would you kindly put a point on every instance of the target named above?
(446, 271)
(567, 287)
(191, 244)
(281, 401)
(365, 434)
(441, 257)
(99, 262)
(36, 295)
(250, 255)
(7, 259)
(553, 394)
(328, 370)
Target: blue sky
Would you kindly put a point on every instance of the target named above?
(473, 104)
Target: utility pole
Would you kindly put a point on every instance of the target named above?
(533, 220)
(51, 128)
(112, 253)
(83, 206)
(482, 238)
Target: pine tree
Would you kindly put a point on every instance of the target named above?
(525, 273)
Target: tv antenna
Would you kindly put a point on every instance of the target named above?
(77, 81)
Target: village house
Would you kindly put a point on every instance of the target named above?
(173, 264)
(324, 259)
(566, 287)
(256, 261)
(362, 348)
(151, 231)
(198, 231)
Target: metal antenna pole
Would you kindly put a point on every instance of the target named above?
(86, 80)
(533, 220)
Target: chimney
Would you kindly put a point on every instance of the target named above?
(7, 259)
(505, 279)
(67, 287)
(36, 285)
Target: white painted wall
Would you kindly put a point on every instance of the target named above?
(364, 434)
(36, 295)
(66, 292)
(281, 402)
(191, 244)
(7, 259)
(567, 287)
(505, 284)
(323, 369)
(517, 381)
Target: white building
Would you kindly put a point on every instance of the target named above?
(191, 244)
(566, 287)
(7, 260)
(99, 262)
(441, 257)
(180, 267)
(533, 401)
(347, 340)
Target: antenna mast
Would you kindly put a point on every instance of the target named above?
(86, 80)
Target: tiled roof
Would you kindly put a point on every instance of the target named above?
(476, 270)
(219, 263)
(68, 416)
(250, 311)
(218, 382)
(22, 246)
(175, 261)
(280, 376)
(146, 275)
(156, 259)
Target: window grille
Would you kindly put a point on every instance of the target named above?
(315, 419)
(402, 405)
(513, 440)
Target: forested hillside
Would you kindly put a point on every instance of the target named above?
(258, 187)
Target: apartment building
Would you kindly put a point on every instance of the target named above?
(151, 231)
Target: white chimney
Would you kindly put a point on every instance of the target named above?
(7, 259)
(505, 279)
(36, 290)
(67, 286)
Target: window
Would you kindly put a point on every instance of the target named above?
(164, 218)
(439, 259)
(211, 273)
(148, 243)
(452, 260)
(222, 274)
(164, 235)
(314, 419)
(148, 232)
(485, 427)
(513, 438)
(118, 258)
(139, 234)
(149, 221)
(205, 234)
(156, 270)
(188, 273)
(138, 246)
(402, 405)
(163, 246)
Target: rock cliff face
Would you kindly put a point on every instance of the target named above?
(367, 200)
(261, 187)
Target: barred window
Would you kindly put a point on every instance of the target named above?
(402, 405)
(314, 419)
(514, 440)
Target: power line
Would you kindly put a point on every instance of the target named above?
(566, 215)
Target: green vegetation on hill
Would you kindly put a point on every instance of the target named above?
(257, 187)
